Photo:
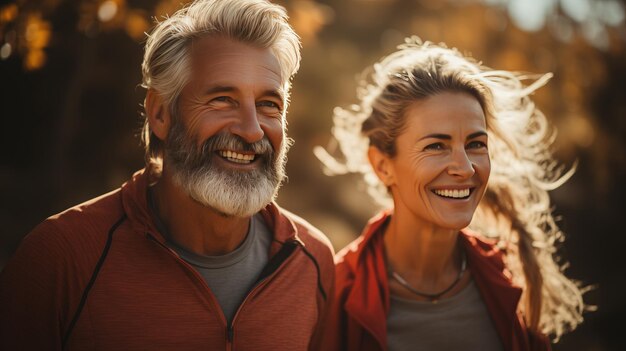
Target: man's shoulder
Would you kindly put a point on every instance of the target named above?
(68, 242)
(87, 221)
(319, 248)
(309, 234)
(91, 213)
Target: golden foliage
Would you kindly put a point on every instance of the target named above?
(8, 13)
(136, 24)
(167, 7)
(37, 32)
(34, 59)
(309, 17)
(111, 15)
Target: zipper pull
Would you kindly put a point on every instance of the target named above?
(229, 333)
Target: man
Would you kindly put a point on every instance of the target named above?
(191, 253)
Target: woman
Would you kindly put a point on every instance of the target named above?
(452, 144)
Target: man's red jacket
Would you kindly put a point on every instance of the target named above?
(100, 277)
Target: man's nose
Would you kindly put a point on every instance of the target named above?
(247, 125)
(461, 165)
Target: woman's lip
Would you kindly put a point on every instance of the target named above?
(454, 194)
(453, 187)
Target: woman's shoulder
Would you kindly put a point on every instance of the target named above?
(485, 244)
(485, 248)
(366, 242)
(346, 262)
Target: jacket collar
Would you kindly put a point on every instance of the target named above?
(362, 246)
(281, 225)
(368, 300)
(500, 295)
(135, 202)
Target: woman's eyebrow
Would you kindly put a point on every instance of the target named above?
(476, 135)
(448, 137)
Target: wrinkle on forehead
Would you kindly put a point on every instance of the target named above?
(213, 54)
(446, 113)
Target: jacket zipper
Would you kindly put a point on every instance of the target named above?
(229, 326)
(261, 283)
(199, 278)
(229, 337)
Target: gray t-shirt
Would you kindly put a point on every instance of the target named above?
(230, 277)
(461, 322)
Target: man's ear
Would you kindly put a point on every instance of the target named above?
(381, 163)
(158, 114)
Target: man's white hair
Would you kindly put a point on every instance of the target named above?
(165, 66)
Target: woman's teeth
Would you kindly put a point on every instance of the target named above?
(236, 157)
(455, 194)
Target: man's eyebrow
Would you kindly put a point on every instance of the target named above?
(228, 89)
(219, 89)
(274, 93)
(437, 136)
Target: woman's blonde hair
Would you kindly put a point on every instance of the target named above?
(165, 66)
(516, 206)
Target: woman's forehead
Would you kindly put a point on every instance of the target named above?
(445, 112)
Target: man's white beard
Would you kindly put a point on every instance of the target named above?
(230, 192)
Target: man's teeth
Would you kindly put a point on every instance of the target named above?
(455, 194)
(236, 157)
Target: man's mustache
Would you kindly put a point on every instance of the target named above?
(225, 141)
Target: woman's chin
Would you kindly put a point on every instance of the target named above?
(456, 223)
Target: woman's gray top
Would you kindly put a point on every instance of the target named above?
(461, 322)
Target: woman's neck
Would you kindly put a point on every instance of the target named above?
(425, 255)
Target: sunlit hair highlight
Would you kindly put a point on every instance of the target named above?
(165, 66)
(516, 208)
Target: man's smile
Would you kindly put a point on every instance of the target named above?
(237, 157)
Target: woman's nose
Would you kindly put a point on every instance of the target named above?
(461, 165)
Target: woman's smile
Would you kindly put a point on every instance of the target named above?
(454, 193)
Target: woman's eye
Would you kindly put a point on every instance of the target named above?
(221, 100)
(434, 146)
(476, 145)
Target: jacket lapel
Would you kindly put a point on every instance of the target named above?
(501, 297)
(368, 302)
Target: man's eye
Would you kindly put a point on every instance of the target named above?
(434, 146)
(268, 104)
(222, 102)
(221, 99)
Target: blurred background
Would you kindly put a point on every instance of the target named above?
(70, 102)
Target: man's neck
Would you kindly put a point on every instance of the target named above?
(193, 226)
